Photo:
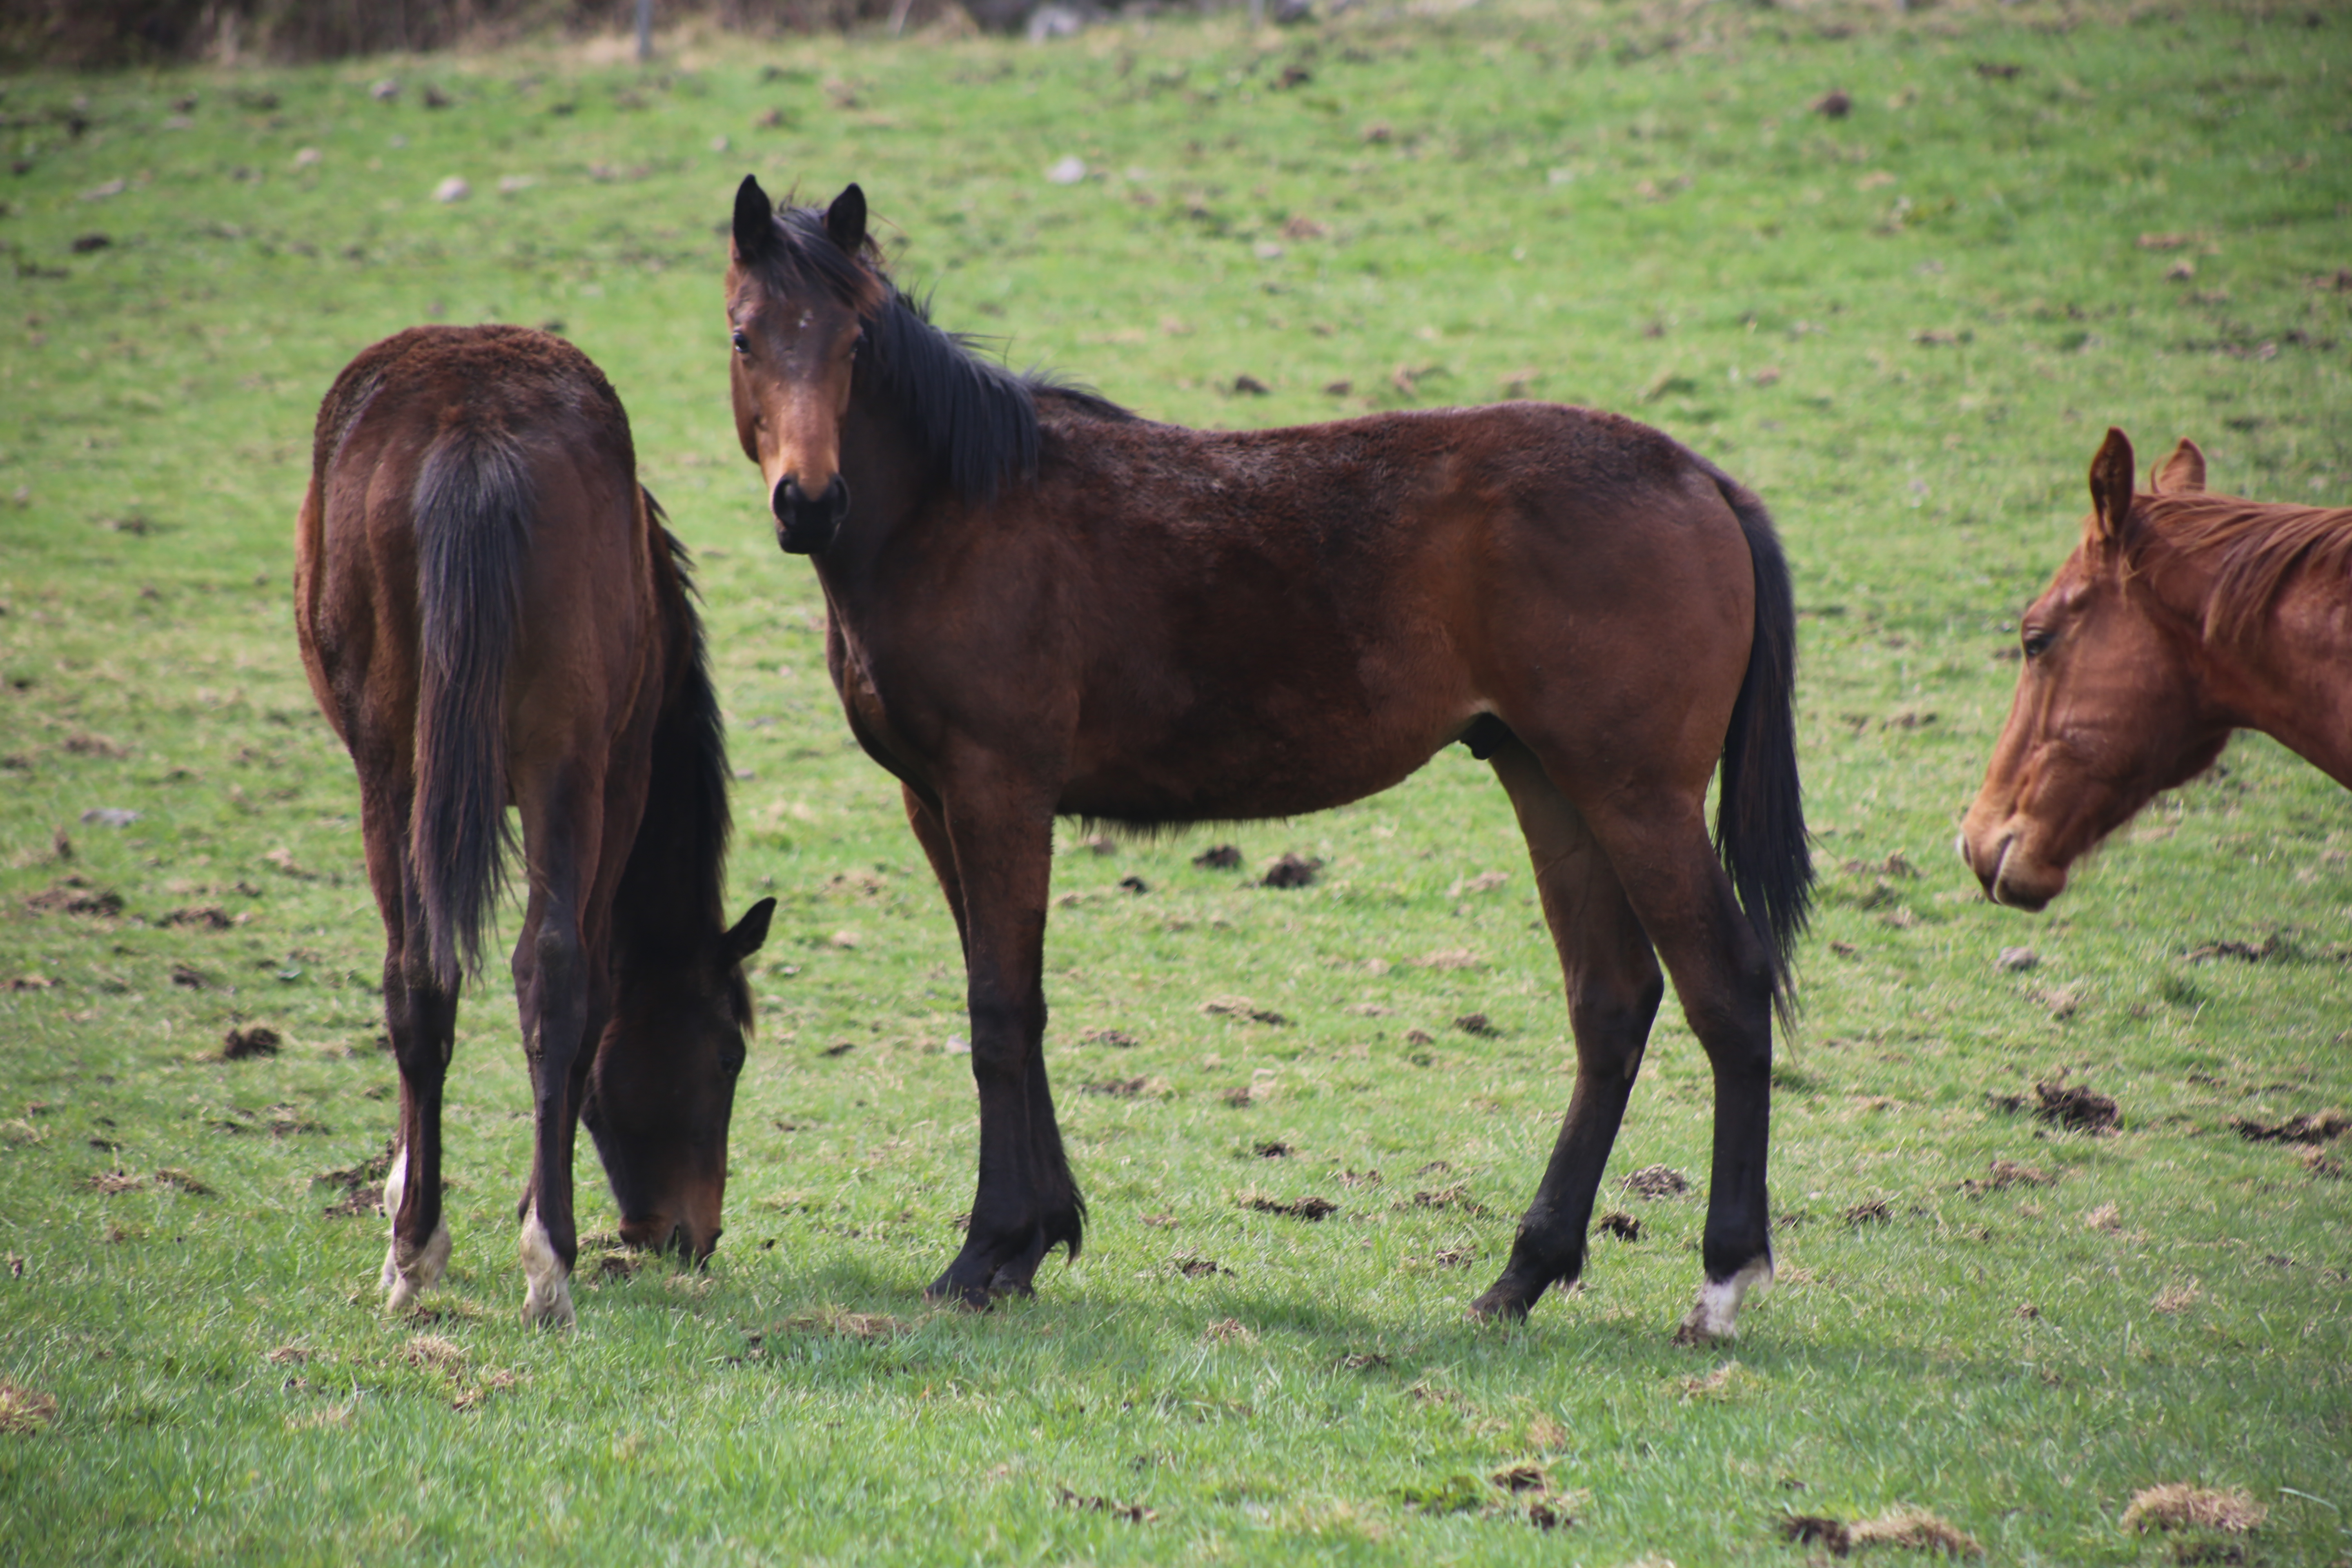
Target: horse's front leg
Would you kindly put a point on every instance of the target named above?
(998, 838)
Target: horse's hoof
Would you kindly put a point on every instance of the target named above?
(1503, 1302)
(1714, 1317)
(547, 1278)
(407, 1270)
(548, 1309)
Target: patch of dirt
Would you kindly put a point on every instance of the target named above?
(866, 1326)
(432, 1352)
(1240, 1007)
(619, 1266)
(1419, 1037)
(1229, 1331)
(1239, 1097)
(212, 917)
(2076, 1107)
(1133, 1512)
(75, 896)
(2317, 1127)
(1456, 1196)
(244, 1045)
(1307, 1208)
(2003, 1174)
(172, 1176)
(1116, 1088)
(2177, 1298)
(1725, 1382)
(1119, 1038)
(357, 1202)
(287, 1355)
(1218, 857)
(1817, 1530)
(2319, 1163)
(1290, 872)
(1874, 1212)
(2274, 945)
(1274, 1150)
(1364, 1361)
(1623, 1227)
(1656, 1182)
(1916, 1529)
(1446, 958)
(1353, 1178)
(497, 1381)
(1454, 1258)
(25, 1410)
(2176, 1505)
(106, 1183)
(1478, 1025)
(841, 1050)
(1199, 1267)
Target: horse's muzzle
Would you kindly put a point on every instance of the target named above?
(805, 524)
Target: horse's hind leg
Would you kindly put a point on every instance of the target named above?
(1723, 977)
(555, 994)
(1613, 989)
(421, 1015)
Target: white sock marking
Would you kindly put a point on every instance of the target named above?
(547, 1293)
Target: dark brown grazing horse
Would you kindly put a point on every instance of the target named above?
(2181, 617)
(492, 614)
(1041, 605)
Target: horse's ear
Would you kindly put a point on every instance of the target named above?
(845, 219)
(2111, 487)
(2182, 472)
(755, 221)
(750, 932)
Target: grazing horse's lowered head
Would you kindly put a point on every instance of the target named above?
(2181, 617)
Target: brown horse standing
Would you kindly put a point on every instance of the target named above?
(492, 614)
(1041, 605)
(2181, 617)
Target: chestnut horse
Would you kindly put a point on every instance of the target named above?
(492, 614)
(2181, 617)
(1043, 605)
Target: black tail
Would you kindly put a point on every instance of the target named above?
(474, 507)
(1759, 820)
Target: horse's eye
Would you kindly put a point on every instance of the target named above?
(2036, 641)
(742, 343)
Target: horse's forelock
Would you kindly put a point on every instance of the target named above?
(805, 256)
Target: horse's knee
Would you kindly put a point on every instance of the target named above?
(1004, 1031)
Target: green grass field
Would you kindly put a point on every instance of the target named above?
(1908, 327)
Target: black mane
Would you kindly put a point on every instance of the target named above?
(672, 892)
(973, 417)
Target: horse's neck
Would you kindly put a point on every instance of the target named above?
(2290, 674)
(890, 478)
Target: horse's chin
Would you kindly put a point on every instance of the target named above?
(806, 539)
(2023, 881)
